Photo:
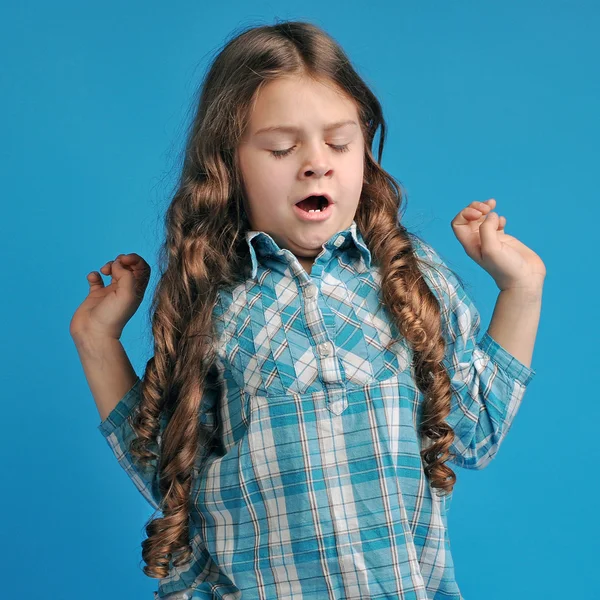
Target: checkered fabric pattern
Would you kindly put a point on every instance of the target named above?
(314, 487)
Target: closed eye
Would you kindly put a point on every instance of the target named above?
(282, 153)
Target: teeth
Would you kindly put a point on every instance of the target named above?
(315, 210)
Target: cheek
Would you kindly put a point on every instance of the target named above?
(277, 174)
(355, 170)
(255, 175)
(254, 168)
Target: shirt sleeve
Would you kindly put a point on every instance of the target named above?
(488, 383)
(118, 432)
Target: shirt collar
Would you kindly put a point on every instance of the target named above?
(262, 244)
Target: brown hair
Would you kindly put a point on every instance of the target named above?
(205, 249)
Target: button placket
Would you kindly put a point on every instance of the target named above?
(321, 324)
(324, 349)
(311, 291)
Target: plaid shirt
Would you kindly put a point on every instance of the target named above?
(314, 486)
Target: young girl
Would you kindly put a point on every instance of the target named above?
(316, 366)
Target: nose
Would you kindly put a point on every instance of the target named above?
(318, 171)
(317, 164)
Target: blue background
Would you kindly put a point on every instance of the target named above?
(493, 99)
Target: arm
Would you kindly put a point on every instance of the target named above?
(108, 371)
(488, 382)
(118, 432)
(515, 321)
(116, 390)
(107, 368)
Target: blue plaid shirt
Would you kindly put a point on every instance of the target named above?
(314, 485)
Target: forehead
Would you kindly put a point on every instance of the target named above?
(300, 101)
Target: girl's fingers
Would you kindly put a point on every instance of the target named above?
(127, 262)
(95, 281)
(470, 211)
(123, 262)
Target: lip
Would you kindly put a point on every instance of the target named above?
(329, 199)
(315, 216)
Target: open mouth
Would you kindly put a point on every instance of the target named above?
(313, 204)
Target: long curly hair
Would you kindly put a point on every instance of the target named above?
(205, 249)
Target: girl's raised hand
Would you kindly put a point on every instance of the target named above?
(512, 265)
(107, 309)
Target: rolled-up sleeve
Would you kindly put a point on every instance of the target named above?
(488, 383)
(119, 433)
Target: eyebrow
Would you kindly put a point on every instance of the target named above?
(292, 129)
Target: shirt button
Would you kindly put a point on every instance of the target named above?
(324, 349)
(311, 291)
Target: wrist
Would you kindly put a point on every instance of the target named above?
(92, 342)
(529, 294)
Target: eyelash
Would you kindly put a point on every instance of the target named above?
(282, 153)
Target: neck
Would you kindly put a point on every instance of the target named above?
(307, 263)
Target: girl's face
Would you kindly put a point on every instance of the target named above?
(313, 165)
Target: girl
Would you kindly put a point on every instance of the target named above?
(316, 366)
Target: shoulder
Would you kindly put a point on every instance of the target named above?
(445, 283)
(432, 265)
